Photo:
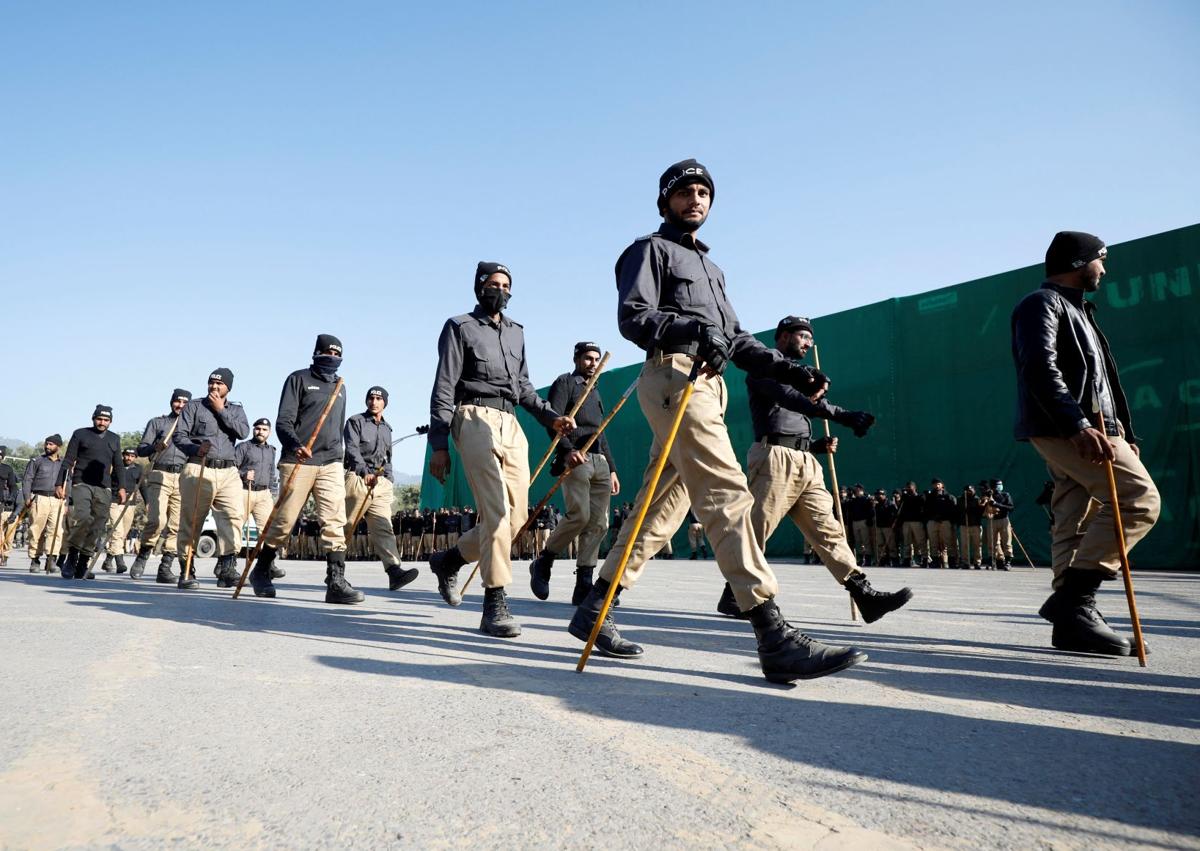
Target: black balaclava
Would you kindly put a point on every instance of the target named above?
(491, 299)
(325, 366)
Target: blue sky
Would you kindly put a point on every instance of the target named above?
(191, 186)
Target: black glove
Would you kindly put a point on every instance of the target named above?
(805, 379)
(859, 421)
(820, 446)
(714, 348)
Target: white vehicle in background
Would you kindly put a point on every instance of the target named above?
(206, 547)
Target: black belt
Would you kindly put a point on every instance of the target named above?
(168, 468)
(791, 441)
(43, 493)
(677, 349)
(497, 402)
(257, 487)
(212, 463)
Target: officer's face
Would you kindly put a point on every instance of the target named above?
(218, 389)
(587, 362)
(689, 206)
(796, 343)
(128, 457)
(177, 405)
(102, 423)
(261, 432)
(939, 487)
(1091, 274)
(375, 405)
(51, 448)
(498, 281)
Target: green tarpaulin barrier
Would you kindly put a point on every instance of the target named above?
(936, 369)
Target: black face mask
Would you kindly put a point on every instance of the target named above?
(326, 366)
(493, 300)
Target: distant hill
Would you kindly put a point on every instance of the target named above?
(14, 443)
(406, 479)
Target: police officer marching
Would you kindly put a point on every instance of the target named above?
(207, 434)
(45, 509)
(481, 376)
(120, 517)
(786, 480)
(161, 491)
(321, 471)
(9, 493)
(672, 303)
(368, 462)
(588, 488)
(93, 461)
(255, 459)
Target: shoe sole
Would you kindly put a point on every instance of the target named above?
(538, 592)
(266, 595)
(1107, 650)
(601, 650)
(501, 634)
(791, 678)
(907, 596)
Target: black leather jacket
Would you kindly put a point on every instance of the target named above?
(1063, 365)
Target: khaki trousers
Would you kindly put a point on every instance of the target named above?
(261, 503)
(425, 544)
(941, 540)
(46, 517)
(695, 536)
(378, 514)
(862, 537)
(495, 457)
(407, 548)
(1001, 543)
(587, 491)
(89, 513)
(1084, 534)
(327, 485)
(885, 543)
(118, 532)
(972, 544)
(914, 539)
(702, 472)
(219, 491)
(791, 483)
(162, 511)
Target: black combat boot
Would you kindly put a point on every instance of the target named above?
(583, 584)
(139, 564)
(1001, 564)
(871, 603)
(786, 654)
(278, 571)
(165, 575)
(338, 590)
(497, 619)
(609, 641)
(35, 565)
(107, 567)
(121, 568)
(399, 576)
(1078, 625)
(82, 560)
(445, 566)
(260, 576)
(67, 567)
(539, 574)
(728, 606)
(226, 571)
(187, 576)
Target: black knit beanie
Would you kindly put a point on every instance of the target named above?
(1072, 249)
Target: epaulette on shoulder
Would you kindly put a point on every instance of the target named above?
(459, 320)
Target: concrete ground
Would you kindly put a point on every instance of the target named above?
(138, 716)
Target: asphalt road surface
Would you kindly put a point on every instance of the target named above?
(139, 716)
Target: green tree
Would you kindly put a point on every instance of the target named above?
(406, 497)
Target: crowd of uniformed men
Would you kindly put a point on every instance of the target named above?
(330, 489)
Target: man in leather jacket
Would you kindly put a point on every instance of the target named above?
(1066, 376)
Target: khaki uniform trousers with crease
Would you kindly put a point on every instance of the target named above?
(162, 511)
(702, 472)
(118, 532)
(885, 542)
(495, 459)
(914, 539)
(862, 537)
(941, 540)
(972, 551)
(89, 513)
(695, 536)
(378, 514)
(260, 502)
(327, 484)
(1001, 543)
(220, 492)
(1084, 534)
(587, 491)
(46, 517)
(791, 483)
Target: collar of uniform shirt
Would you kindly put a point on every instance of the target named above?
(480, 314)
(683, 237)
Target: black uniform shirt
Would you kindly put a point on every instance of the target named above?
(368, 445)
(131, 476)
(885, 514)
(8, 483)
(480, 358)
(259, 457)
(41, 475)
(564, 393)
(912, 507)
(156, 430)
(779, 409)
(667, 285)
(861, 508)
(96, 456)
(940, 506)
(1004, 503)
(972, 509)
(199, 422)
(301, 402)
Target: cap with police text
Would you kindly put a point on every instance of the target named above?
(377, 391)
(679, 175)
(485, 269)
(223, 374)
(102, 411)
(327, 342)
(585, 346)
(180, 393)
(793, 323)
(1073, 249)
